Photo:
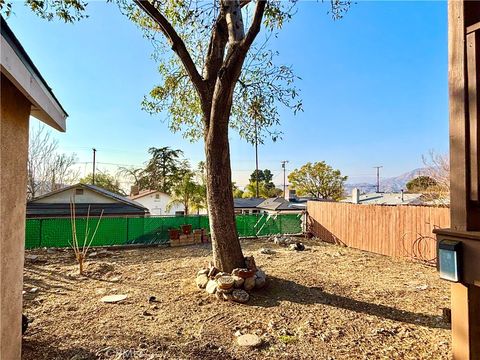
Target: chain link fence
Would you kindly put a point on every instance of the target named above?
(57, 232)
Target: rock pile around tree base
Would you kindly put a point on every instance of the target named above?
(234, 286)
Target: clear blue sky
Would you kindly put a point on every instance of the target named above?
(374, 88)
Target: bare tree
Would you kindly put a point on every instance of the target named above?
(47, 168)
(437, 166)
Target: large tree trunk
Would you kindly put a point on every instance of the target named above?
(215, 89)
(227, 253)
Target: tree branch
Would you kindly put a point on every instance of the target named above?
(233, 16)
(256, 24)
(178, 46)
(237, 53)
(216, 48)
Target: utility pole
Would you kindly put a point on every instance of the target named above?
(93, 172)
(284, 162)
(256, 158)
(378, 177)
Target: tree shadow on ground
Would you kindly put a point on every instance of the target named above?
(34, 350)
(279, 290)
(46, 280)
(134, 347)
(123, 254)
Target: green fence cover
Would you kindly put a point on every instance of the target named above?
(57, 232)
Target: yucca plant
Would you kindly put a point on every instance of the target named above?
(81, 250)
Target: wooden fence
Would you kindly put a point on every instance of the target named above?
(398, 231)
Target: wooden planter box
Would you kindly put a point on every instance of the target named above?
(174, 234)
(186, 229)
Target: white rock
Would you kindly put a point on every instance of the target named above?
(267, 251)
(32, 258)
(201, 281)
(249, 340)
(113, 298)
(211, 286)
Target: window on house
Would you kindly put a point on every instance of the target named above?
(179, 213)
(157, 196)
(78, 191)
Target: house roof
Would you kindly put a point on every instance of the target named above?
(387, 199)
(19, 68)
(246, 203)
(280, 204)
(36, 210)
(97, 189)
(272, 204)
(143, 193)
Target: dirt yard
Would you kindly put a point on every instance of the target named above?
(327, 302)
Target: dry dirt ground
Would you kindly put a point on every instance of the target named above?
(327, 302)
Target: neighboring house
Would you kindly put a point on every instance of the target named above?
(246, 206)
(24, 93)
(57, 203)
(281, 205)
(400, 198)
(157, 202)
(289, 205)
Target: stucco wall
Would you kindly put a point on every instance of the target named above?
(15, 110)
(88, 197)
(159, 206)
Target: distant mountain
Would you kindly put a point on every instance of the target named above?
(364, 187)
(392, 184)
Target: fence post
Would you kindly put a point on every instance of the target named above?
(245, 225)
(40, 234)
(126, 238)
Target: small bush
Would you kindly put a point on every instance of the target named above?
(288, 339)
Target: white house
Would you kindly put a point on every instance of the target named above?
(157, 202)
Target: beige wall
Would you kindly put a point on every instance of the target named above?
(88, 197)
(15, 111)
(159, 206)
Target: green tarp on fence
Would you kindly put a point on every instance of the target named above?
(57, 232)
